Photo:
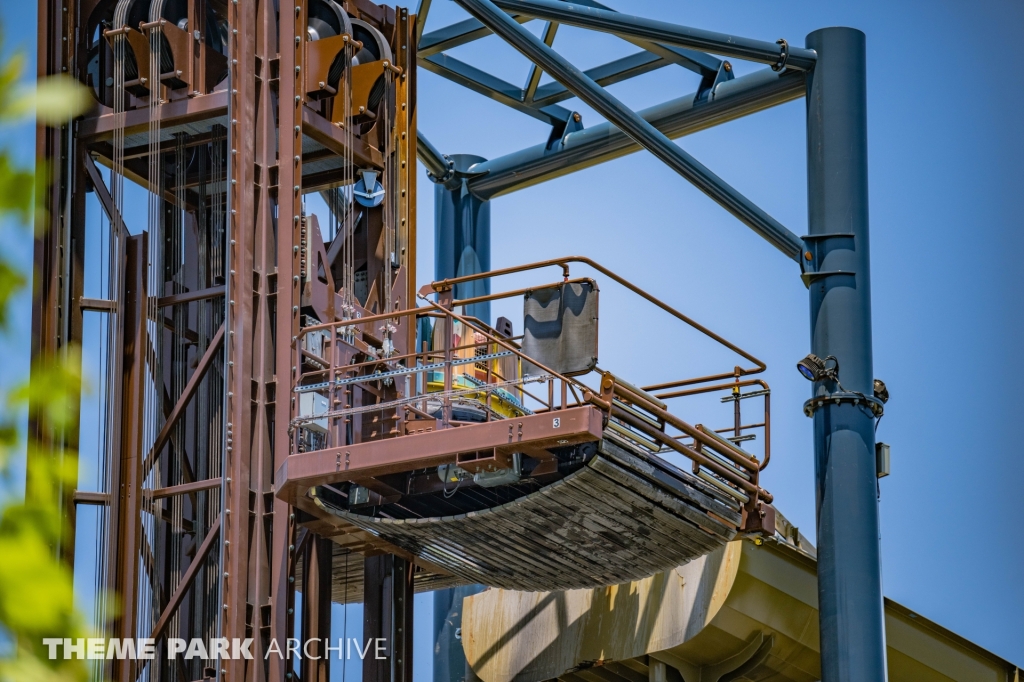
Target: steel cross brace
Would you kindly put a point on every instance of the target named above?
(540, 102)
(634, 126)
(779, 55)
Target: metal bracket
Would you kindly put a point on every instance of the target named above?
(573, 123)
(874, 404)
(711, 80)
(810, 258)
(783, 56)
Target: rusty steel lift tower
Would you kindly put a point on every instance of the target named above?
(288, 420)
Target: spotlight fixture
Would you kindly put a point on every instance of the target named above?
(881, 392)
(814, 368)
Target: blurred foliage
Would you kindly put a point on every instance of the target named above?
(35, 584)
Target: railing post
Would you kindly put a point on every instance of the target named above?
(849, 573)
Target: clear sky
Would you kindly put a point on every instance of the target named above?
(946, 145)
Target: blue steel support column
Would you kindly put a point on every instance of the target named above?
(849, 570)
(462, 246)
(462, 235)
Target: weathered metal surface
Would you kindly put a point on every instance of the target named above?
(611, 521)
(743, 612)
(433, 448)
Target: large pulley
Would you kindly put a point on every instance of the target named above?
(192, 47)
(328, 30)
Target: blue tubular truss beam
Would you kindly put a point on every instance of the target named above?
(499, 90)
(606, 74)
(437, 163)
(541, 103)
(778, 54)
(452, 36)
(603, 142)
(536, 101)
(530, 91)
(642, 132)
(694, 60)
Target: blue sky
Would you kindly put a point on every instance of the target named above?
(946, 145)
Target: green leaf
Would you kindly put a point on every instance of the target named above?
(17, 189)
(11, 281)
(55, 100)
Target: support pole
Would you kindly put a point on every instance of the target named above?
(462, 245)
(316, 608)
(849, 573)
(462, 235)
(450, 664)
(387, 618)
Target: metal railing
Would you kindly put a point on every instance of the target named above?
(421, 390)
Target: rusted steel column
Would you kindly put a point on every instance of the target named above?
(291, 37)
(316, 608)
(242, 593)
(387, 619)
(126, 500)
(53, 284)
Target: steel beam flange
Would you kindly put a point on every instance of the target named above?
(839, 397)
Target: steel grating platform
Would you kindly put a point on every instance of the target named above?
(623, 516)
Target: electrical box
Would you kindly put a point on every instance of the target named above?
(310, 405)
(882, 459)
